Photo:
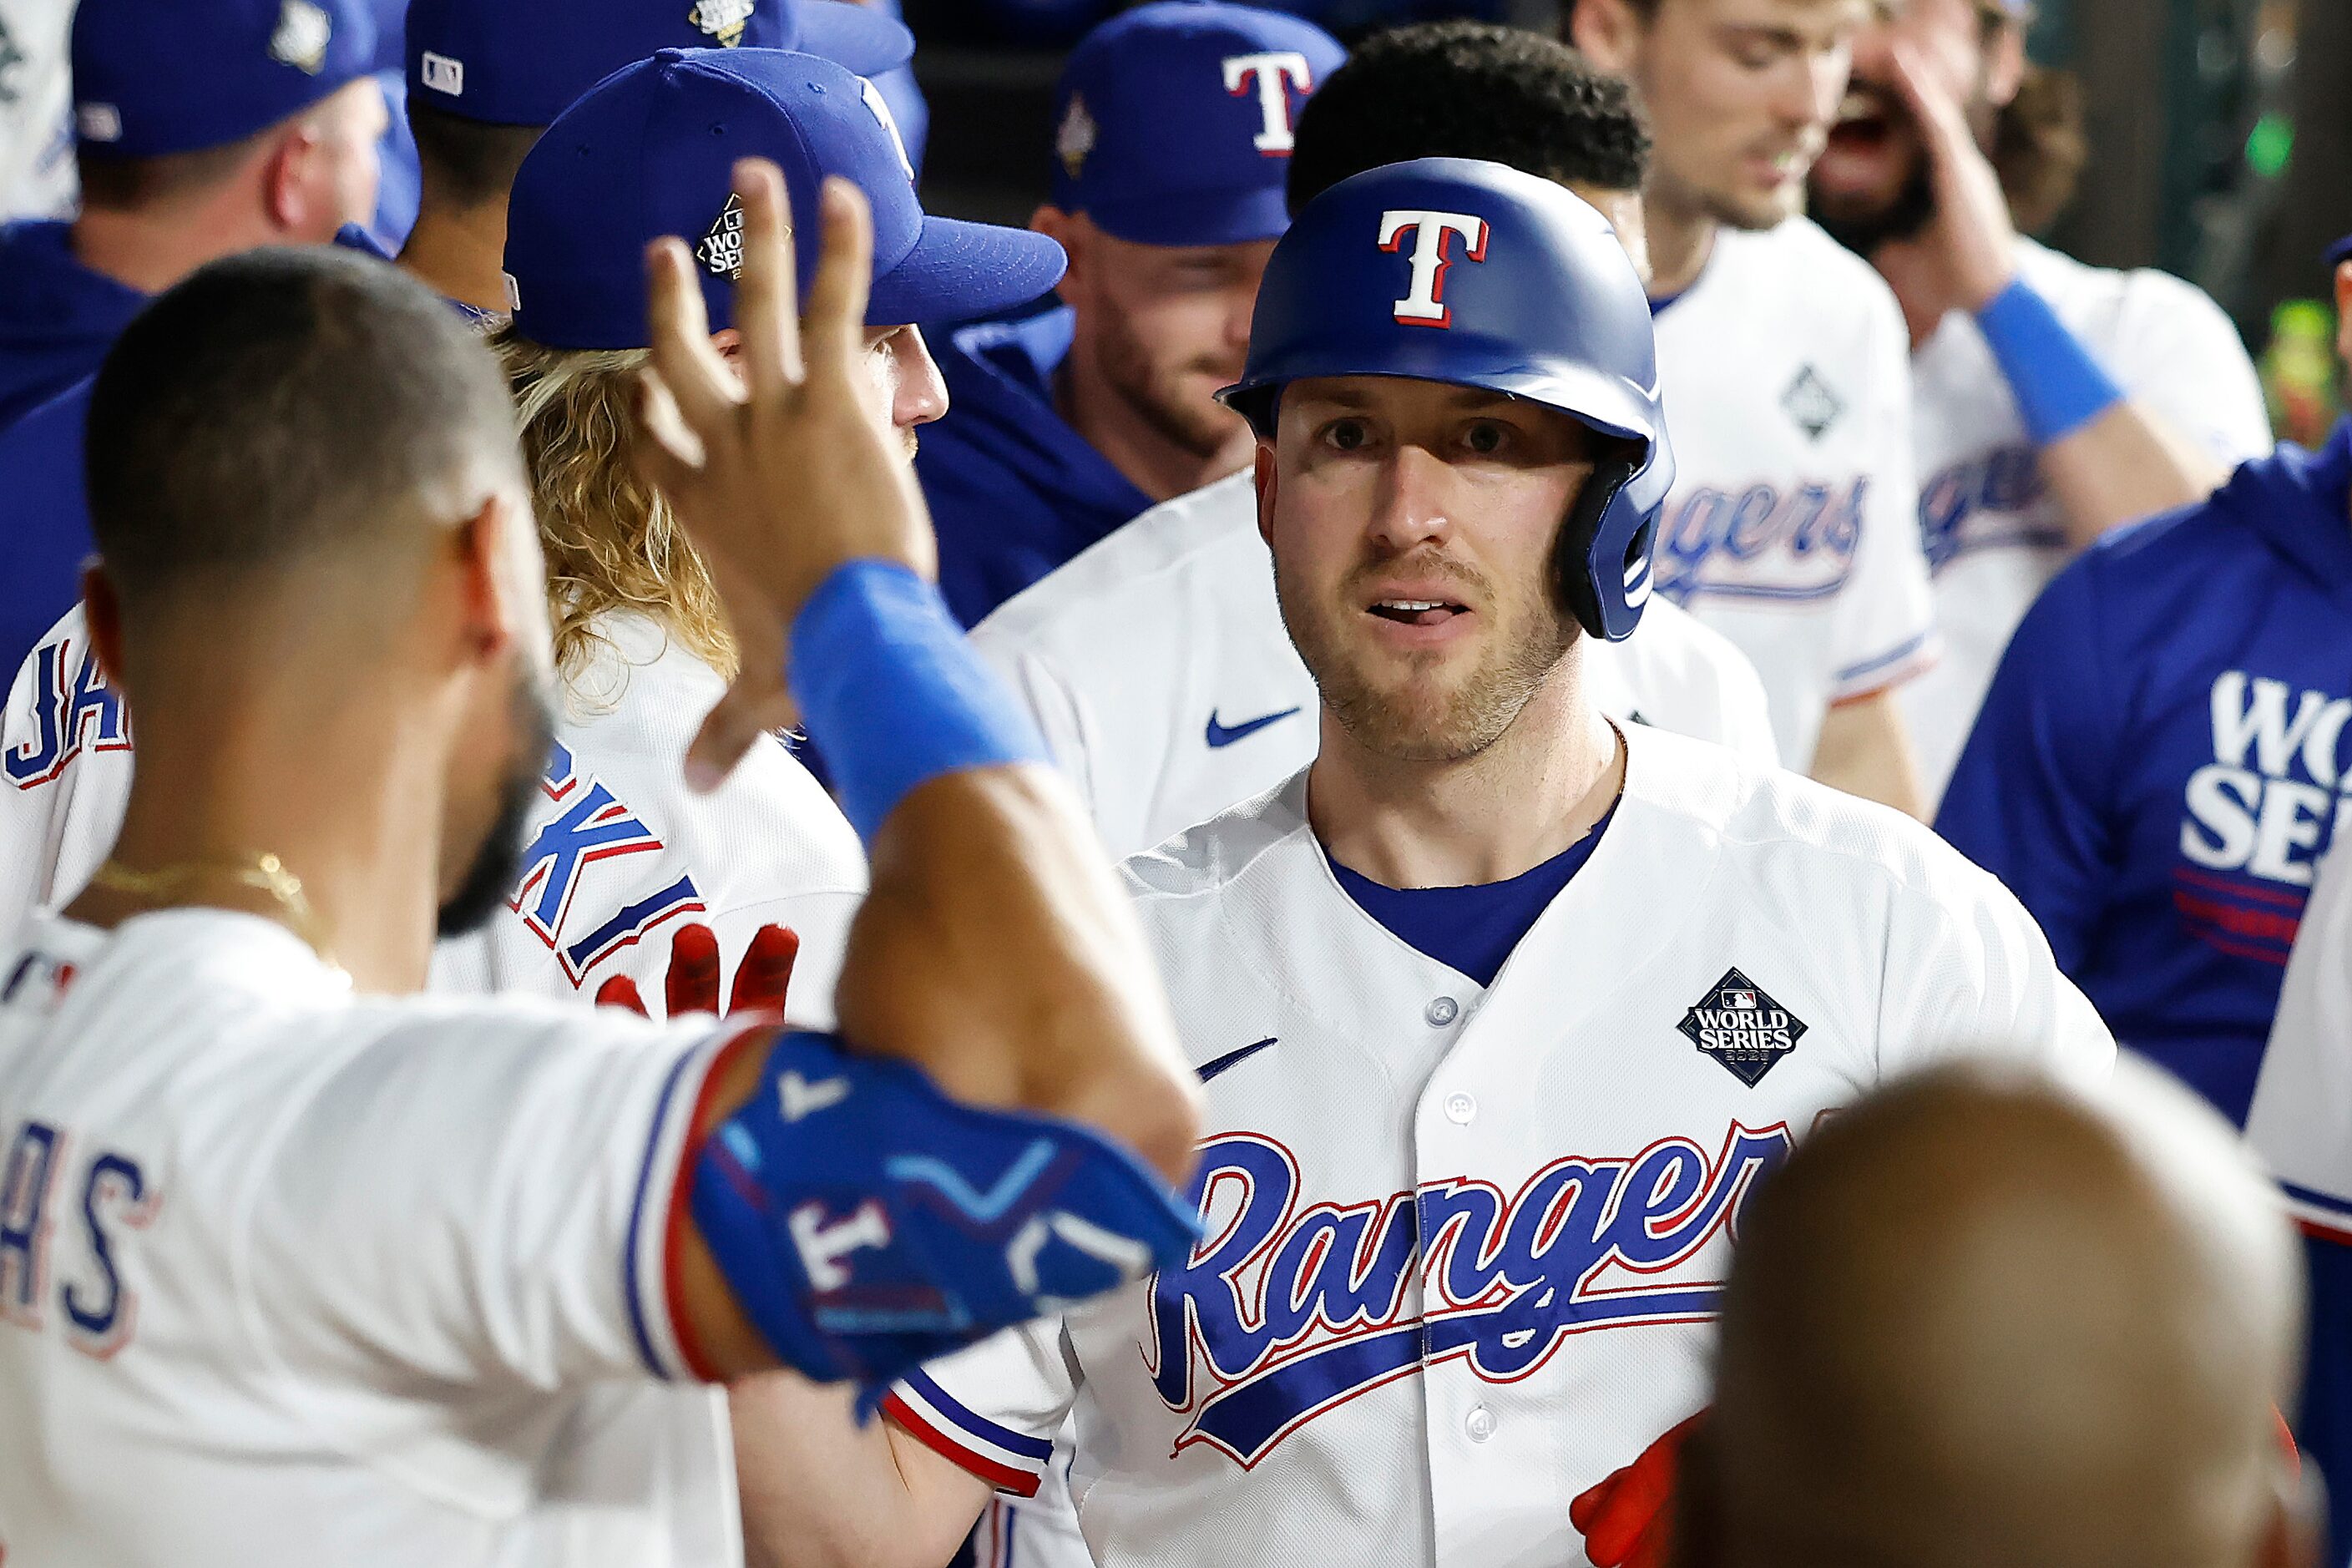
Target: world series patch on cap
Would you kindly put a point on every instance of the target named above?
(1173, 121)
(524, 62)
(651, 151)
(154, 77)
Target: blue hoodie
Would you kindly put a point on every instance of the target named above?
(1013, 490)
(57, 317)
(48, 530)
(2164, 754)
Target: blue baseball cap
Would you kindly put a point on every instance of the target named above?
(1173, 120)
(152, 78)
(523, 62)
(651, 151)
(2339, 253)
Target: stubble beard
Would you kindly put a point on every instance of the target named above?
(1415, 719)
(1196, 425)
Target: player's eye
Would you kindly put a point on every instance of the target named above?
(1347, 435)
(1486, 437)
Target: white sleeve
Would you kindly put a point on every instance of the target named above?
(1743, 713)
(2301, 1123)
(1051, 700)
(479, 1197)
(1885, 625)
(994, 1409)
(1969, 975)
(2178, 357)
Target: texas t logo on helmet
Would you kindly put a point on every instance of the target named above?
(1276, 75)
(1425, 305)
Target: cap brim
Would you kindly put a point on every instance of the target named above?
(862, 42)
(1195, 217)
(959, 270)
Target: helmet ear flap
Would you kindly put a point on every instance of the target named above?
(1584, 584)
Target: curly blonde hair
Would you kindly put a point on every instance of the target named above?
(611, 539)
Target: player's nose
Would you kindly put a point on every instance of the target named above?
(922, 391)
(1415, 499)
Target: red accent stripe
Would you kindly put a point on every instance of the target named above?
(1003, 1477)
(2313, 1227)
(2223, 885)
(674, 1230)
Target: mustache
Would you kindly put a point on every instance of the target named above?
(1421, 561)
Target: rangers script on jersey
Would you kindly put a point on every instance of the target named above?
(293, 1277)
(1792, 528)
(1157, 665)
(1992, 531)
(1462, 1245)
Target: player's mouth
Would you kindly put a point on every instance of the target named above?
(1418, 612)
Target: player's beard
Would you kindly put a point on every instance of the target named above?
(1165, 397)
(1409, 709)
(491, 877)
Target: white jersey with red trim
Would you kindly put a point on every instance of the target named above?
(618, 851)
(2300, 1122)
(1993, 532)
(1157, 665)
(1463, 1243)
(291, 1276)
(1792, 528)
(36, 166)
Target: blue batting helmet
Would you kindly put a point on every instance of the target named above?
(1476, 274)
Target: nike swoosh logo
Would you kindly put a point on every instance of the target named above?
(1231, 1060)
(1220, 735)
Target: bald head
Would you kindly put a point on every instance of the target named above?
(289, 407)
(1976, 1323)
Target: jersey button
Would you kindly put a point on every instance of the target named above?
(1479, 1423)
(1442, 1012)
(1460, 1109)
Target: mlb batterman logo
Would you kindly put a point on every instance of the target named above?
(1740, 1025)
(1075, 139)
(304, 31)
(721, 19)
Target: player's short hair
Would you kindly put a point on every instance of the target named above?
(611, 540)
(1469, 90)
(285, 405)
(113, 183)
(464, 162)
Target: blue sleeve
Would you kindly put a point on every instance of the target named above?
(2325, 1429)
(48, 524)
(2029, 800)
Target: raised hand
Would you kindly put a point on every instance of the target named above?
(1972, 231)
(788, 470)
(1627, 1519)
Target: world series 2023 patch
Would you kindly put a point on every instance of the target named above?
(1742, 1027)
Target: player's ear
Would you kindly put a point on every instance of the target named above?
(500, 576)
(103, 611)
(1267, 482)
(1067, 230)
(286, 175)
(1606, 32)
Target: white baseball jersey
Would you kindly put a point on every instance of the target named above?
(1792, 528)
(37, 170)
(1462, 1245)
(1992, 533)
(288, 1277)
(618, 850)
(1157, 665)
(2300, 1122)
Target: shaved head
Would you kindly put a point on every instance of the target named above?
(1978, 1321)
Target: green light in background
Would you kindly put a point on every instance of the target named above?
(2269, 145)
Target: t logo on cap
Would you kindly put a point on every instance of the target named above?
(1276, 74)
(1425, 305)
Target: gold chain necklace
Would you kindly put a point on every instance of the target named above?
(261, 872)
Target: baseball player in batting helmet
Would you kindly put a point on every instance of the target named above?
(1502, 1008)
(1562, 323)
